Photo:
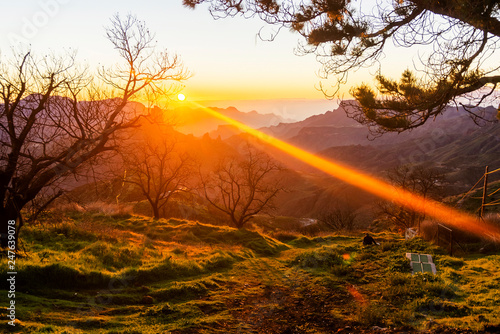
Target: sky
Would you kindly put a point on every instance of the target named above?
(227, 59)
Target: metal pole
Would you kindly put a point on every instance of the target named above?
(483, 201)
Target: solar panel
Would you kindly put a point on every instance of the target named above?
(428, 268)
(424, 258)
(416, 267)
(421, 263)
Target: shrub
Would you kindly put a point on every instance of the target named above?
(341, 270)
(399, 264)
(403, 289)
(437, 307)
(399, 279)
(371, 314)
(323, 258)
(448, 261)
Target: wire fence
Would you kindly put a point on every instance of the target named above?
(484, 198)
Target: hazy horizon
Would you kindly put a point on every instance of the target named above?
(289, 109)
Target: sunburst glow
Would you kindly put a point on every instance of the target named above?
(181, 97)
(370, 184)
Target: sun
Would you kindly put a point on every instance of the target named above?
(181, 97)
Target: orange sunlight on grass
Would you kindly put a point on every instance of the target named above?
(370, 184)
(356, 295)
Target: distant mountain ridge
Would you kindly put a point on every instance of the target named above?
(334, 128)
(198, 122)
(452, 142)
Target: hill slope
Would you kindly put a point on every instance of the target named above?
(104, 274)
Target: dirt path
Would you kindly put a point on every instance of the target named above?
(273, 298)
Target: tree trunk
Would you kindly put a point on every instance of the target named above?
(239, 223)
(156, 212)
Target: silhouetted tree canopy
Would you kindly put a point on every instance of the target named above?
(242, 187)
(55, 116)
(156, 164)
(425, 181)
(348, 35)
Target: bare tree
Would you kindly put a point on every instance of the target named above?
(55, 116)
(339, 217)
(427, 182)
(242, 187)
(157, 165)
(463, 36)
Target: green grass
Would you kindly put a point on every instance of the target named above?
(102, 274)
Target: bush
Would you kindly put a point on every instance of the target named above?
(403, 289)
(371, 315)
(448, 261)
(399, 279)
(323, 259)
(399, 264)
(437, 307)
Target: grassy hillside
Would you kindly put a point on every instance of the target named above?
(91, 273)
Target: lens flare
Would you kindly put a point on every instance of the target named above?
(358, 297)
(370, 184)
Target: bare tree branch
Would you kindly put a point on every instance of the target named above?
(349, 35)
(242, 187)
(55, 117)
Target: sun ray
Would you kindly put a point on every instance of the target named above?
(371, 184)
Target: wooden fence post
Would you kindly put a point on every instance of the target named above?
(437, 234)
(483, 201)
(451, 242)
